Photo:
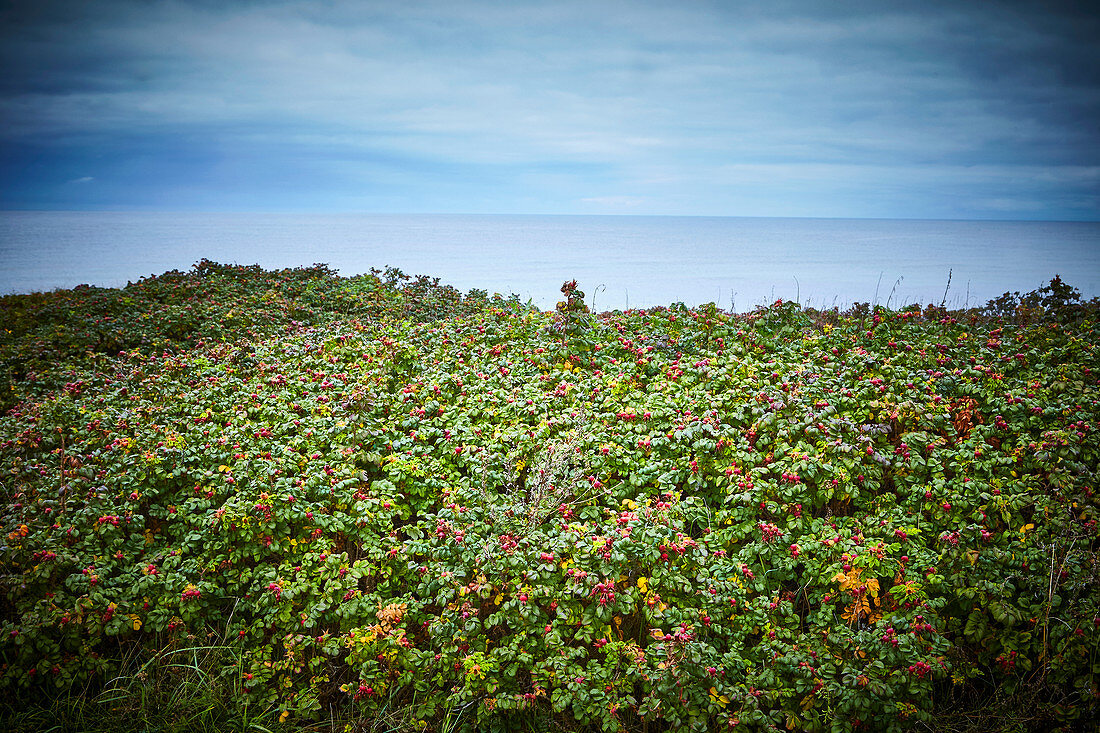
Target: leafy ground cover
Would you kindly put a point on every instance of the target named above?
(288, 499)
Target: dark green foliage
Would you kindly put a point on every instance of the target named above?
(376, 496)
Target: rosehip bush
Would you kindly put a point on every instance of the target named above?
(379, 492)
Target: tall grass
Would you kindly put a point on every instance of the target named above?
(192, 688)
(197, 688)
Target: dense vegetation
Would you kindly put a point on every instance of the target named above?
(251, 498)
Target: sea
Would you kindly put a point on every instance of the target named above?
(619, 262)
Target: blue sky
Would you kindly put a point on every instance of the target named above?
(830, 109)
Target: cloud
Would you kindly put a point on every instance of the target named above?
(82, 179)
(534, 102)
(614, 202)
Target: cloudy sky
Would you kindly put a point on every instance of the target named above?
(836, 109)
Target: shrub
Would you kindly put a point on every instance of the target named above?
(463, 508)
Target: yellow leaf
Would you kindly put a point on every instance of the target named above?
(643, 584)
(856, 611)
(720, 699)
(497, 599)
(135, 621)
(847, 581)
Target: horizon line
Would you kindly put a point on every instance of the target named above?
(336, 212)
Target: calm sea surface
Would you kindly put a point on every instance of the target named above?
(627, 261)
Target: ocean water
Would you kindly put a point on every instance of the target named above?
(619, 261)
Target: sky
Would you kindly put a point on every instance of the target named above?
(927, 110)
